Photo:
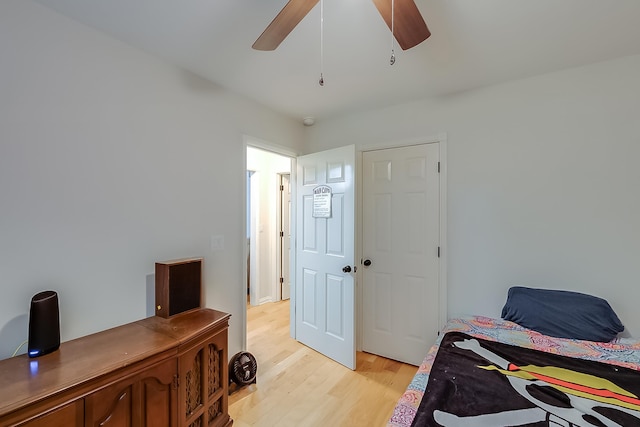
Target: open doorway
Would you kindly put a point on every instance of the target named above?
(268, 213)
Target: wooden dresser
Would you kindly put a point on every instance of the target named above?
(155, 372)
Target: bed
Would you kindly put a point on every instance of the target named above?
(495, 372)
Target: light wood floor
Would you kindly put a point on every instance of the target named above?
(297, 386)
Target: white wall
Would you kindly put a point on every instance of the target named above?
(543, 183)
(111, 160)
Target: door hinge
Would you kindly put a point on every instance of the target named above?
(176, 382)
(282, 234)
(282, 188)
(282, 280)
(438, 251)
(438, 167)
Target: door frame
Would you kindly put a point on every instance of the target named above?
(280, 255)
(249, 141)
(441, 140)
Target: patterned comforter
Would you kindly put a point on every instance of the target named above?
(621, 352)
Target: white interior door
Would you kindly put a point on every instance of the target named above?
(285, 235)
(325, 294)
(401, 233)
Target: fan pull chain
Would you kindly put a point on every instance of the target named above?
(393, 39)
(321, 81)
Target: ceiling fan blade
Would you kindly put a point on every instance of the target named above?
(290, 15)
(408, 25)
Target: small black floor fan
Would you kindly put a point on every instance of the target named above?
(243, 368)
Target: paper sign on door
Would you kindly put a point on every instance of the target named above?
(322, 201)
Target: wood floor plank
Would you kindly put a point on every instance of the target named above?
(297, 386)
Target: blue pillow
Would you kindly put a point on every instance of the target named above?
(562, 314)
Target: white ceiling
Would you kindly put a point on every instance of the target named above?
(474, 43)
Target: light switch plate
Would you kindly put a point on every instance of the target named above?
(217, 242)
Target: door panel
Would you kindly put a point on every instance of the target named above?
(69, 415)
(336, 290)
(325, 295)
(335, 228)
(309, 297)
(151, 390)
(310, 227)
(401, 232)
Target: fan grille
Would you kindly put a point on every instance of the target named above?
(243, 368)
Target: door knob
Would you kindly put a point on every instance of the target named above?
(367, 262)
(346, 269)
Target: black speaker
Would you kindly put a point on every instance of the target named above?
(44, 324)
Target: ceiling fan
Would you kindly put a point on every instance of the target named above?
(408, 26)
